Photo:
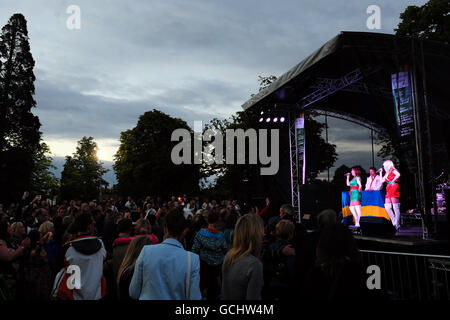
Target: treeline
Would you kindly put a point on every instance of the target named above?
(143, 162)
(24, 164)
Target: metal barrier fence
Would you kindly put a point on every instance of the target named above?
(409, 276)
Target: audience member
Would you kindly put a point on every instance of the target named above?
(242, 271)
(211, 246)
(166, 271)
(126, 269)
(87, 252)
(338, 273)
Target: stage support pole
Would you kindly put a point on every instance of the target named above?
(431, 173)
(373, 158)
(423, 203)
(293, 155)
(326, 137)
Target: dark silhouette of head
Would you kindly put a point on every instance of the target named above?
(175, 223)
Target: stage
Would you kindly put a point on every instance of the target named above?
(408, 239)
(373, 70)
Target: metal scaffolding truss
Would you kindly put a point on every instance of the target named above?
(294, 164)
(326, 83)
(327, 86)
(295, 178)
(348, 117)
(357, 87)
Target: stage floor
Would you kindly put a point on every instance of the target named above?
(406, 236)
(407, 239)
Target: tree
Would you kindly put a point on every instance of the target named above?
(43, 180)
(231, 179)
(320, 155)
(264, 82)
(339, 178)
(389, 149)
(430, 21)
(143, 163)
(81, 177)
(240, 120)
(19, 128)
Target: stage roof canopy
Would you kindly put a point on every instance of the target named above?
(350, 76)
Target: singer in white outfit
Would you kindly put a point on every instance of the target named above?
(392, 202)
(374, 181)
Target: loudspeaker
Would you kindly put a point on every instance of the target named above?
(376, 226)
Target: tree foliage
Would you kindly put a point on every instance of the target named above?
(239, 120)
(320, 155)
(19, 128)
(430, 21)
(231, 179)
(389, 149)
(339, 179)
(81, 177)
(43, 180)
(143, 163)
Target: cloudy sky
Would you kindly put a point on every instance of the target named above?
(195, 60)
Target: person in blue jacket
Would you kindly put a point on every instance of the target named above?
(166, 271)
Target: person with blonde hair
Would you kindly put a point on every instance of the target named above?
(242, 271)
(7, 253)
(46, 231)
(126, 269)
(392, 202)
(46, 227)
(19, 233)
(279, 263)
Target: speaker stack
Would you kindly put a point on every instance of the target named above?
(376, 226)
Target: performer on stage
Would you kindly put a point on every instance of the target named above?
(374, 181)
(355, 194)
(392, 192)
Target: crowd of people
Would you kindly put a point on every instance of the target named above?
(179, 248)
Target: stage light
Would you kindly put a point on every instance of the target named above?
(261, 119)
(282, 119)
(268, 120)
(275, 119)
(262, 112)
